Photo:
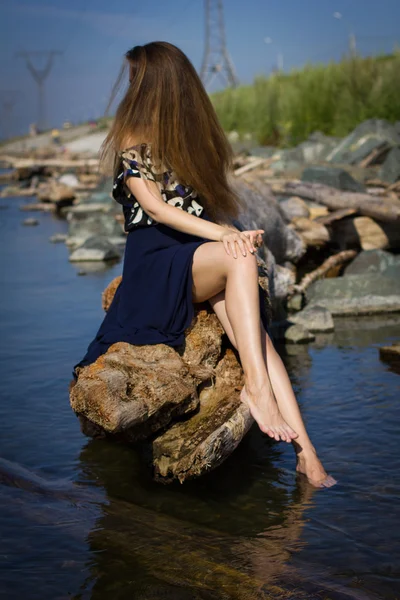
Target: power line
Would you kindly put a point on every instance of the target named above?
(40, 76)
(216, 59)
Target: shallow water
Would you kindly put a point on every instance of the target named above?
(82, 519)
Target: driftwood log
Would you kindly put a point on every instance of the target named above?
(377, 207)
(185, 402)
(337, 260)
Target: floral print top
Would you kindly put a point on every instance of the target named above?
(136, 162)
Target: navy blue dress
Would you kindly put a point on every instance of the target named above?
(154, 303)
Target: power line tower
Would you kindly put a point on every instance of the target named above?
(216, 60)
(40, 75)
(8, 99)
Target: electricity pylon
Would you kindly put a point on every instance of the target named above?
(40, 75)
(216, 60)
(8, 98)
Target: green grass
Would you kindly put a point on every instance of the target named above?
(285, 108)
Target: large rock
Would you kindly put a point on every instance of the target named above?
(356, 294)
(209, 435)
(372, 261)
(367, 136)
(332, 176)
(83, 226)
(298, 334)
(133, 393)
(315, 318)
(262, 212)
(294, 207)
(390, 170)
(96, 248)
(136, 389)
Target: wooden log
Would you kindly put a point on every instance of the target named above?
(313, 233)
(136, 390)
(69, 163)
(334, 199)
(331, 262)
(132, 392)
(336, 215)
(202, 442)
(252, 164)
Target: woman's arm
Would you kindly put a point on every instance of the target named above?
(152, 203)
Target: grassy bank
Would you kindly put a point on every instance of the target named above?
(286, 108)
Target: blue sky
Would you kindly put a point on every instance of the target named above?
(94, 34)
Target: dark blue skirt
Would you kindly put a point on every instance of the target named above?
(154, 303)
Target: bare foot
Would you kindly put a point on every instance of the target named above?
(267, 415)
(308, 464)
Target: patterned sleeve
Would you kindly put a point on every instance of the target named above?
(136, 162)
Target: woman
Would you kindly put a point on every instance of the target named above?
(171, 162)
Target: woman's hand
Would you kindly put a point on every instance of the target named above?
(248, 241)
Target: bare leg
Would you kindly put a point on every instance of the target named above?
(307, 461)
(213, 271)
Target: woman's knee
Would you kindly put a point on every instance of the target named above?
(247, 263)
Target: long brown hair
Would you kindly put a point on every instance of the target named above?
(167, 103)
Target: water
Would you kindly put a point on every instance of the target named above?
(82, 518)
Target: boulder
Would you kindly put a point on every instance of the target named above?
(29, 222)
(69, 179)
(294, 207)
(298, 334)
(83, 226)
(390, 170)
(367, 136)
(57, 238)
(333, 177)
(133, 393)
(58, 193)
(262, 211)
(136, 389)
(209, 435)
(370, 293)
(391, 355)
(315, 318)
(96, 248)
(372, 261)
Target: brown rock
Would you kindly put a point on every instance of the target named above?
(204, 441)
(108, 294)
(313, 233)
(136, 389)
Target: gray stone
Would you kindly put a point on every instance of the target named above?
(370, 293)
(374, 129)
(295, 302)
(95, 249)
(334, 177)
(372, 261)
(262, 212)
(390, 170)
(298, 334)
(315, 318)
(263, 151)
(58, 238)
(294, 207)
(82, 227)
(30, 221)
(317, 147)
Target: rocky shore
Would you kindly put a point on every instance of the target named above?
(331, 214)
